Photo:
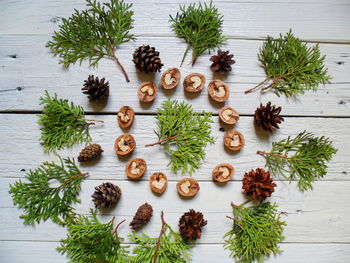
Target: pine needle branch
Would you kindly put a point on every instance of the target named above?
(304, 158)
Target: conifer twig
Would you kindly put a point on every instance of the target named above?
(117, 227)
(271, 154)
(163, 140)
(162, 231)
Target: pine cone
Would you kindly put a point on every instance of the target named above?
(258, 184)
(267, 117)
(222, 62)
(142, 216)
(97, 89)
(147, 59)
(106, 195)
(90, 152)
(191, 224)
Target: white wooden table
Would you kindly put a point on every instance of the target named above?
(318, 221)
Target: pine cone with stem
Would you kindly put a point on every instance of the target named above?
(142, 217)
(190, 225)
(98, 90)
(267, 117)
(90, 152)
(222, 62)
(147, 59)
(106, 195)
(258, 184)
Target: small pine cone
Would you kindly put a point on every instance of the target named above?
(222, 62)
(142, 216)
(190, 225)
(147, 59)
(106, 195)
(98, 90)
(258, 184)
(90, 152)
(267, 117)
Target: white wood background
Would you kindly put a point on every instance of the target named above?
(318, 221)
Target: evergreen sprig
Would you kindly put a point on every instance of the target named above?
(94, 33)
(168, 247)
(40, 200)
(62, 124)
(304, 158)
(183, 134)
(256, 232)
(291, 66)
(200, 26)
(89, 240)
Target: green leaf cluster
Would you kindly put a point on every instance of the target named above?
(93, 33)
(292, 66)
(89, 240)
(184, 134)
(61, 124)
(201, 26)
(304, 158)
(40, 200)
(256, 232)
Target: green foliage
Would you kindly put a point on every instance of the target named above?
(42, 201)
(183, 134)
(200, 26)
(62, 124)
(89, 240)
(256, 232)
(94, 33)
(292, 66)
(303, 157)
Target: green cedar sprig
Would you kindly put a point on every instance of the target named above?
(291, 66)
(304, 158)
(183, 134)
(200, 26)
(88, 240)
(256, 232)
(41, 201)
(94, 33)
(168, 247)
(62, 124)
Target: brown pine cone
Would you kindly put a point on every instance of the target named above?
(222, 62)
(190, 225)
(90, 152)
(142, 217)
(147, 59)
(258, 184)
(97, 89)
(267, 117)
(106, 195)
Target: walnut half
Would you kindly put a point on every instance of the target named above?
(170, 78)
(218, 90)
(147, 91)
(194, 82)
(223, 173)
(124, 144)
(126, 117)
(158, 182)
(234, 140)
(228, 115)
(135, 168)
(187, 187)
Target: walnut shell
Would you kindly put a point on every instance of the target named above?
(234, 140)
(187, 187)
(124, 144)
(147, 94)
(125, 116)
(135, 168)
(223, 172)
(218, 90)
(170, 78)
(158, 182)
(191, 79)
(228, 115)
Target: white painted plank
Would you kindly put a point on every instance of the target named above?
(247, 19)
(35, 70)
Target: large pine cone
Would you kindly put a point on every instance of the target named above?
(222, 62)
(90, 152)
(190, 225)
(98, 90)
(267, 117)
(142, 216)
(258, 184)
(147, 59)
(106, 195)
